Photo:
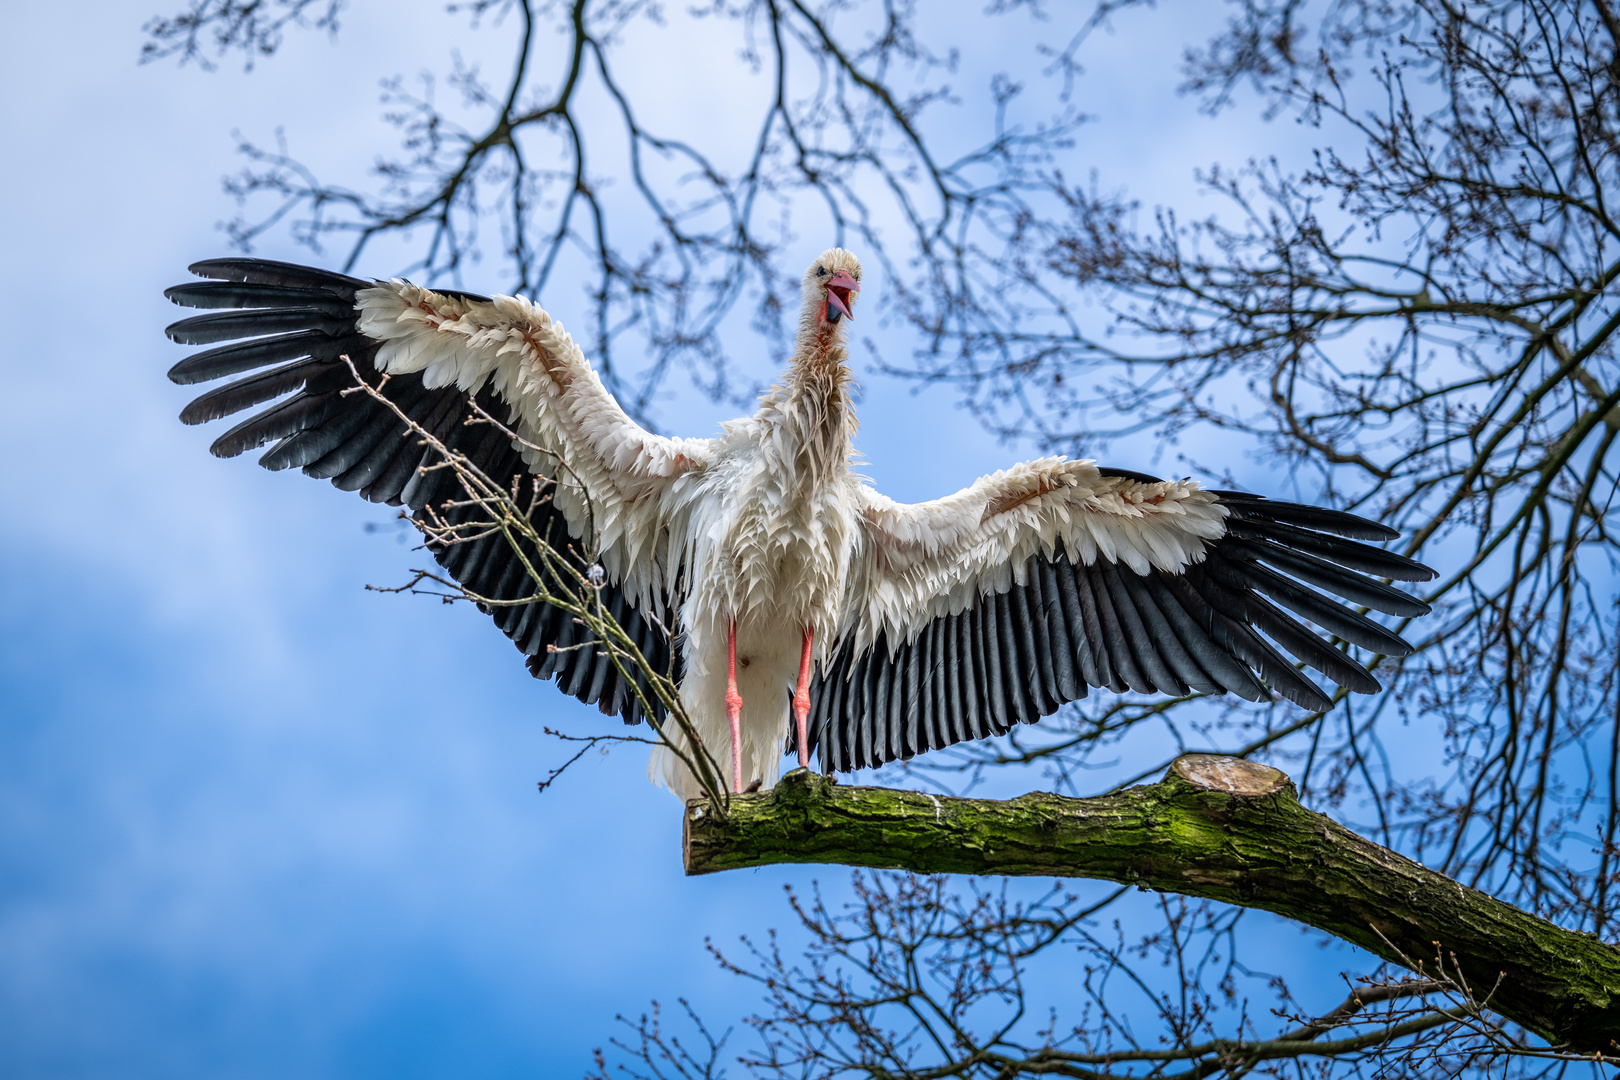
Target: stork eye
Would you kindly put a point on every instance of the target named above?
(821, 271)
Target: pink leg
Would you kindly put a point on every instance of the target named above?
(801, 701)
(734, 707)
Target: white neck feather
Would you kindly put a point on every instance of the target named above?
(809, 411)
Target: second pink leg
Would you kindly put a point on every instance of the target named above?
(734, 707)
(801, 701)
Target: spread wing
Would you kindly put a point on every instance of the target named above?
(442, 352)
(997, 604)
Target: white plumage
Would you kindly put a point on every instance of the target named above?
(1052, 573)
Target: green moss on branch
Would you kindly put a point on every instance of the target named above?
(1215, 828)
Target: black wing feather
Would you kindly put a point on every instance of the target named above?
(1354, 587)
(1038, 637)
(251, 391)
(941, 636)
(1020, 672)
(226, 360)
(234, 294)
(999, 717)
(1061, 648)
(230, 325)
(1221, 665)
(1116, 633)
(1318, 518)
(1143, 645)
(1086, 631)
(270, 272)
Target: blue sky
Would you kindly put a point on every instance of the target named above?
(254, 820)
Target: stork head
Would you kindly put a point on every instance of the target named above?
(830, 287)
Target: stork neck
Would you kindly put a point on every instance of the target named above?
(810, 409)
(819, 345)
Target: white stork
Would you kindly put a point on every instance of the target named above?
(812, 612)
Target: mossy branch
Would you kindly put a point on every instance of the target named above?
(1218, 828)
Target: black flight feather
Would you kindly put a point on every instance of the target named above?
(1167, 643)
(226, 325)
(270, 272)
(235, 294)
(262, 352)
(253, 390)
(1354, 587)
(1244, 504)
(1334, 618)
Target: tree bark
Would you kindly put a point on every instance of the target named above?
(1218, 828)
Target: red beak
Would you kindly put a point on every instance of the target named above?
(840, 290)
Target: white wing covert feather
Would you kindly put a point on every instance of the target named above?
(924, 560)
(559, 404)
